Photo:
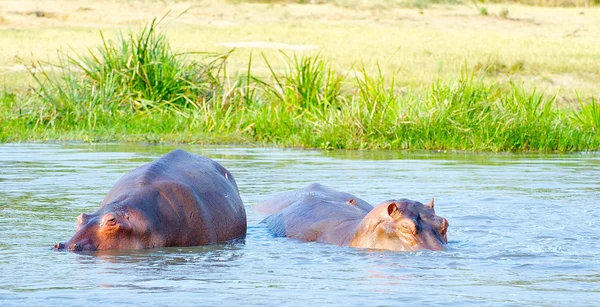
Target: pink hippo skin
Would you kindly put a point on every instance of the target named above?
(180, 199)
(318, 213)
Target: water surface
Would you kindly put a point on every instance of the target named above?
(524, 230)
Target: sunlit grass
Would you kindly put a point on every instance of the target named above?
(546, 48)
(589, 116)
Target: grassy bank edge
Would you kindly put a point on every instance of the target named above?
(136, 89)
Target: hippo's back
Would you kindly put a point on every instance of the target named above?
(191, 193)
(178, 166)
(317, 191)
(328, 217)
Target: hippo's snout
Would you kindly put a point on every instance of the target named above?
(78, 247)
(74, 247)
(438, 246)
(432, 242)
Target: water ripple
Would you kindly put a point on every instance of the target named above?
(523, 231)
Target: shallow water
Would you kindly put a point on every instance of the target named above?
(524, 230)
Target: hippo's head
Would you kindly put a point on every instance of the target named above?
(118, 228)
(403, 225)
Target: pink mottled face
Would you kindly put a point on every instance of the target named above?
(107, 230)
(409, 226)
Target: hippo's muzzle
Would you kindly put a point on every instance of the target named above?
(74, 247)
(429, 240)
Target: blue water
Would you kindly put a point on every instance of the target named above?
(524, 231)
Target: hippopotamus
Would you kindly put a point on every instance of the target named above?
(321, 214)
(180, 199)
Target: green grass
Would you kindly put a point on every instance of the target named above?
(137, 89)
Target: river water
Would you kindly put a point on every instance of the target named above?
(524, 231)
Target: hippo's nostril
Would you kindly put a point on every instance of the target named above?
(75, 247)
(59, 246)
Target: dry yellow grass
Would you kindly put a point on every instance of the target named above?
(557, 49)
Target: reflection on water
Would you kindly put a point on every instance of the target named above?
(523, 231)
(161, 258)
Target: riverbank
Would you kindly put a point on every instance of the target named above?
(354, 81)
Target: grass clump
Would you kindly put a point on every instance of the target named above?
(306, 85)
(588, 118)
(136, 73)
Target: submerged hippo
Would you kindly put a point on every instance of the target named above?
(318, 213)
(180, 199)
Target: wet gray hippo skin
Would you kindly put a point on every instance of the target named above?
(319, 191)
(180, 199)
(318, 213)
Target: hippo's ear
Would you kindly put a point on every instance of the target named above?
(430, 204)
(81, 221)
(393, 211)
(351, 201)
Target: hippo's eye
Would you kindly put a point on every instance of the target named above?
(409, 226)
(110, 220)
